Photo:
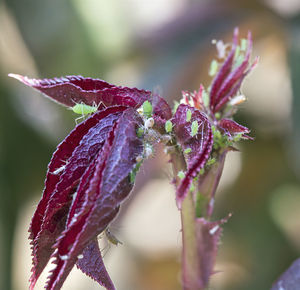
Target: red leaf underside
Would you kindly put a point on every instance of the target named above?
(64, 152)
(107, 189)
(92, 265)
(71, 90)
(49, 219)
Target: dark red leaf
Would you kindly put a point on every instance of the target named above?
(235, 75)
(74, 154)
(233, 127)
(92, 265)
(71, 90)
(228, 80)
(161, 108)
(161, 113)
(200, 144)
(235, 88)
(223, 72)
(109, 186)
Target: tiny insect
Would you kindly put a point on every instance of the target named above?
(194, 128)
(237, 100)
(84, 110)
(148, 151)
(168, 126)
(187, 150)
(149, 123)
(188, 115)
(147, 109)
(213, 68)
(111, 238)
(139, 158)
(59, 170)
(181, 174)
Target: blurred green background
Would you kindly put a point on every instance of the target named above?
(162, 45)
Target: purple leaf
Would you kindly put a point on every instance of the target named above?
(108, 187)
(200, 144)
(290, 279)
(74, 154)
(71, 90)
(92, 265)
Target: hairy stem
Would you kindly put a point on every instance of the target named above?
(197, 250)
(190, 259)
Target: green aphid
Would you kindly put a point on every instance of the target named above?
(111, 238)
(216, 133)
(213, 129)
(192, 187)
(211, 161)
(205, 99)
(218, 115)
(213, 68)
(140, 132)
(237, 52)
(237, 137)
(134, 171)
(244, 43)
(216, 146)
(168, 126)
(188, 115)
(83, 109)
(187, 150)
(239, 60)
(181, 174)
(202, 170)
(176, 105)
(194, 128)
(147, 109)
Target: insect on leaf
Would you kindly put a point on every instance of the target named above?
(84, 109)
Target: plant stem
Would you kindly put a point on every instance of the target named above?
(197, 246)
(190, 259)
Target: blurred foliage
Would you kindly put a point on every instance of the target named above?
(59, 38)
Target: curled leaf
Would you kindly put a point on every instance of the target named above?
(228, 80)
(199, 144)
